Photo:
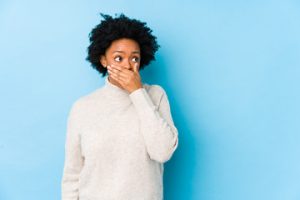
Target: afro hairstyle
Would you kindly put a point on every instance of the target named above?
(111, 29)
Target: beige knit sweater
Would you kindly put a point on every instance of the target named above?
(117, 143)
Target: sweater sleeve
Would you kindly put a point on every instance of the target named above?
(73, 158)
(157, 126)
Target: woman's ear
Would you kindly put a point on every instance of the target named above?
(103, 61)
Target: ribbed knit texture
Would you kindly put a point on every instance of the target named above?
(117, 143)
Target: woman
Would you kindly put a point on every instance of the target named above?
(120, 135)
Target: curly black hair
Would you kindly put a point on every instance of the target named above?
(121, 26)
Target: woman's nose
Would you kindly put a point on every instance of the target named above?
(127, 65)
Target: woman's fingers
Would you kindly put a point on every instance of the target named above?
(117, 78)
(119, 70)
(130, 80)
(123, 75)
(116, 72)
(120, 79)
(135, 68)
(117, 75)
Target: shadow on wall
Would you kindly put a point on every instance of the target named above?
(180, 171)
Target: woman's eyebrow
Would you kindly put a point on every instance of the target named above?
(118, 51)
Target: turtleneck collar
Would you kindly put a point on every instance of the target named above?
(115, 89)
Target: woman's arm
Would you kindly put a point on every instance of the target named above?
(73, 159)
(157, 126)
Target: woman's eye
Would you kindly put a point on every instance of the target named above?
(135, 59)
(118, 58)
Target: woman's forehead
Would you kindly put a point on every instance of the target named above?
(124, 46)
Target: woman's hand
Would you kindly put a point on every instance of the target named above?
(129, 80)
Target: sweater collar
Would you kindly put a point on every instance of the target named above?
(115, 89)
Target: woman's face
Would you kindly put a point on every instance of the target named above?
(122, 52)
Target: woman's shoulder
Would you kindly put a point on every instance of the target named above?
(154, 88)
(156, 91)
(87, 99)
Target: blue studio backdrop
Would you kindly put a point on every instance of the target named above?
(231, 70)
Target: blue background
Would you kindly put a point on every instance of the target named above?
(231, 70)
